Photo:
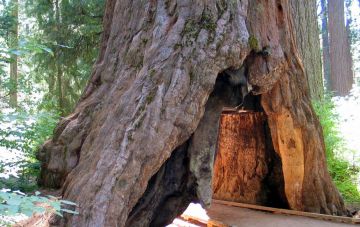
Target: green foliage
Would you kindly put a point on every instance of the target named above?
(58, 44)
(190, 31)
(12, 203)
(208, 22)
(7, 20)
(253, 43)
(25, 133)
(24, 48)
(192, 28)
(71, 29)
(341, 171)
(325, 109)
(24, 183)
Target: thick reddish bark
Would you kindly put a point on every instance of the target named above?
(341, 74)
(156, 95)
(307, 40)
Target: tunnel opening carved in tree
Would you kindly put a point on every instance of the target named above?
(187, 175)
(247, 169)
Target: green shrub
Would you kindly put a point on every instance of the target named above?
(15, 203)
(24, 133)
(342, 172)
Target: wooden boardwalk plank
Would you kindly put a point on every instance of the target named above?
(332, 218)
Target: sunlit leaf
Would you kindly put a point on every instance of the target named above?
(69, 211)
(68, 202)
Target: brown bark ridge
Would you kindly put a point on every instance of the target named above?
(341, 74)
(157, 90)
(307, 39)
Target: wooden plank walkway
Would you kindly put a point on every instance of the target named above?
(232, 214)
(332, 218)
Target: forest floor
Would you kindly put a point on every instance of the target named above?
(242, 217)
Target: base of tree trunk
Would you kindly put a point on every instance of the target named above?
(145, 129)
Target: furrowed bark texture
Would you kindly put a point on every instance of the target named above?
(13, 40)
(151, 94)
(307, 39)
(341, 74)
(325, 44)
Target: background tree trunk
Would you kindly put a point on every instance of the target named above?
(140, 144)
(13, 41)
(325, 44)
(340, 56)
(60, 89)
(307, 38)
(58, 56)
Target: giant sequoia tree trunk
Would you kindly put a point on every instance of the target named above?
(140, 144)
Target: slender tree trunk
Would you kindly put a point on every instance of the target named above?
(68, 95)
(340, 56)
(325, 44)
(140, 144)
(51, 84)
(59, 72)
(59, 90)
(308, 43)
(14, 33)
